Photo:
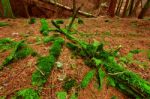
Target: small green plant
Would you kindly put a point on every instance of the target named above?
(134, 24)
(80, 21)
(59, 21)
(51, 38)
(148, 54)
(45, 64)
(21, 50)
(113, 97)
(111, 81)
(61, 95)
(68, 84)
(127, 59)
(44, 27)
(3, 24)
(2, 97)
(32, 20)
(136, 51)
(6, 44)
(27, 94)
(101, 75)
(87, 78)
(74, 96)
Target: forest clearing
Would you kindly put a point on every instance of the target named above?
(102, 57)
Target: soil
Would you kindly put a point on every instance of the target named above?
(129, 33)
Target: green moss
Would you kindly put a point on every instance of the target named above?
(87, 78)
(3, 24)
(45, 64)
(44, 27)
(27, 94)
(6, 44)
(129, 82)
(56, 47)
(68, 84)
(61, 95)
(32, 20)
(21, 50)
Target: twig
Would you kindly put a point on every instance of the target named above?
(39, 70)
(116, 73)
(74, 6)
(73, 18)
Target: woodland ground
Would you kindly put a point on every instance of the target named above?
(129, 33)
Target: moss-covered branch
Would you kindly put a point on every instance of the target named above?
(45, 64)
(96, 57)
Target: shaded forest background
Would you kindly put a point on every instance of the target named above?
(57, 8)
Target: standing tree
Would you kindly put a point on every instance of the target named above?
(131, 7)
(111, 9)
(144, 9)
(125, 8)
(119, 7)
(136, 7)
(7, 8)
(97, 4)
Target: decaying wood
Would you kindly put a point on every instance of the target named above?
(46, 5)
(70, 9)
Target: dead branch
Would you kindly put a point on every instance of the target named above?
(46, 4)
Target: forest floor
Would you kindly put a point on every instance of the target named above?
(131, 34)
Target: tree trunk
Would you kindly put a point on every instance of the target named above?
(143, 11)
(131, 7)
(136, 6)
(97, 4)
(125, 8)
(7, 9)
(111, 9)
(119, 7)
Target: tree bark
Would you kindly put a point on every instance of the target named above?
(131, 7)
(125, 8)
(136, 6)
(97, 4)
(111, 9)
(119, 7)
(143, 11)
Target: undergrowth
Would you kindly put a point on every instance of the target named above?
(104, 61)
(44, 27)
(28, 93)
(32, 21)
(68, 84)
(104, 64)
(45, 64)
(6, 44)
(3, 24)
(87, 78)
(61, 95)
(20, 50)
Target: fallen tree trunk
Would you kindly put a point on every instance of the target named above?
(46, 5)
(70, 9)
